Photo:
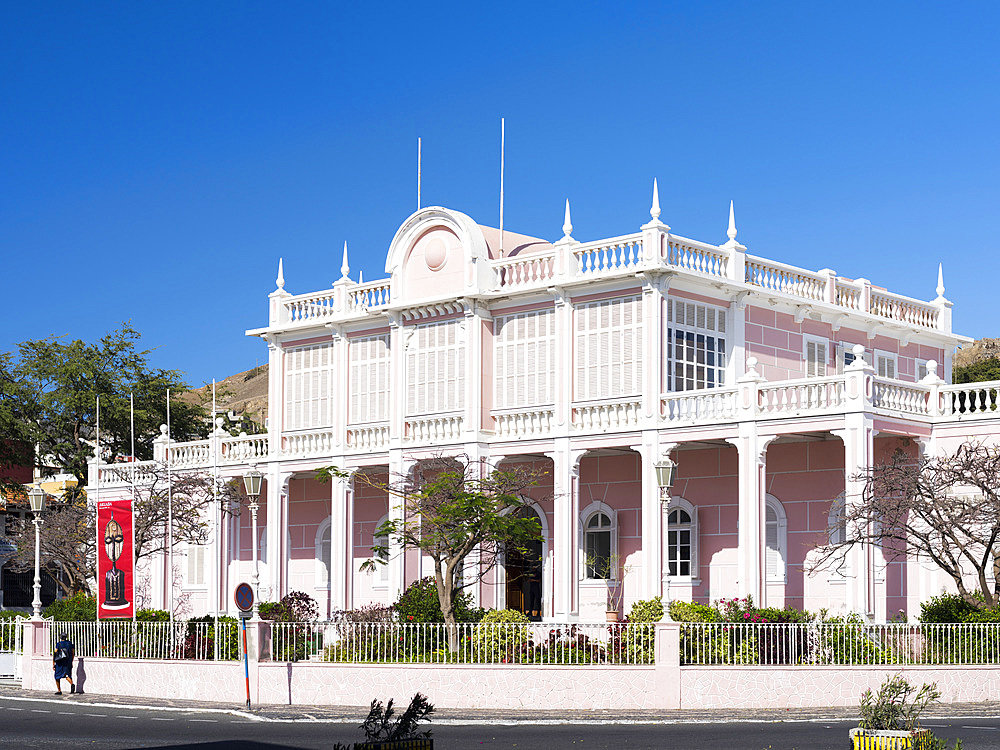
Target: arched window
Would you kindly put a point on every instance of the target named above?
(598, 534)
(381, 578)
(682, 539)
(776, 539)
(837, 522)
(323, 551)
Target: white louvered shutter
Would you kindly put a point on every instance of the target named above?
(772, 552)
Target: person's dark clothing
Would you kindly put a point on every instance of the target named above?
(64, 667)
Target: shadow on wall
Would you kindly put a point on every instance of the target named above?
(81, 675)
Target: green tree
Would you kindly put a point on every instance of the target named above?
(49, 390)
(450, 509)
(977, 372)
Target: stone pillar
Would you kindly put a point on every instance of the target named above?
(341, 542)
(565, 530)
(276, 525)
(563, 325)
(400, 469)
(667, 664)
(752, 547)
(653, 514)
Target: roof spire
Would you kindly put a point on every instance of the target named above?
(280, 281)
(567, 224)
(940, 286)
(732, 222)
(344, 267)
(654, 210)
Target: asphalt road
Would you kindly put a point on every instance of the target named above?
(33, 724)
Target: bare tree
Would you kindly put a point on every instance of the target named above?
(68, 531)
(450, 509)
(946, 509)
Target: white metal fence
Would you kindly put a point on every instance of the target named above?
(126, 639)
(779, 644)
(474, 643)
(11, 644)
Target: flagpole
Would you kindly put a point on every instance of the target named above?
(170, 522)
(216, 520)
(131, 419)
(97, 497)
(501, 185)
(419, 160)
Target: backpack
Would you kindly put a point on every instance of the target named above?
(62, 654)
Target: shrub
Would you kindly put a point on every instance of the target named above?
(693, 612)
(152, 615)
(380, 726)
(501, 635)
(946, 608)
(275, 611)
(648, 610)
(77, 608)
(300, 606)
(201, 641)
(420, 603)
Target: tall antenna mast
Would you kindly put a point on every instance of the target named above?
(501, 186)
(418, 171)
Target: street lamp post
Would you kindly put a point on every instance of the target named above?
(666, 472)
(36, 498)
(251, 484)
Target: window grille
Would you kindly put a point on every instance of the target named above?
(609, 349)
(307, 387)
(369, 376)
(695, 346)
(435, 368)
(598, 546)
(524, 359)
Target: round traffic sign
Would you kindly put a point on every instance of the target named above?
(244, 597)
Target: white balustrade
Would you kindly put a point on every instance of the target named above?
(525, 270)
(307, 443)
(368, 437)
(778, 277)
(521, 423)
(848, 295)
(899, 396)
(904, 309)
(608, 257)
(704, 405)
(971, 400)
(812, 395)
(190, 454)
(244, 449)
(371, 295)
(700, 257)
(121, 474)
(434, 429)
(310, 306)
(608, 415)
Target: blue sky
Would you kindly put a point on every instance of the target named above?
(158, 158)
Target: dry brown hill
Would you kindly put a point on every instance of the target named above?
(977, 351)
(242, 393)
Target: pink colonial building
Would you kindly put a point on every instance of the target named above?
(769, 385)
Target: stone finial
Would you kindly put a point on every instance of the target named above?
(859, 355)
(163, 430)
(731, 232)
(361, 277)
(654, 210)
(940, 284)
(931, 378)
(280, 281)
(345, 268)
(567, 224)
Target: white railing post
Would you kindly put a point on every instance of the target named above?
(830, 293)
(935, 404)
(866, 295)
(160, 445)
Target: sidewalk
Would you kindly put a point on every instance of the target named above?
(356, 714)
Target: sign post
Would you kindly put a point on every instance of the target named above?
(244, 600)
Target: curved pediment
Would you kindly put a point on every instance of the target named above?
(438, 253)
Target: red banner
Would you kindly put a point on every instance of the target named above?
(115, 592)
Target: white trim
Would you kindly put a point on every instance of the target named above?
(817, 367)
(781, 522)
(679, 503)
(321, 556)
(845, 355)
(196, 551)
(585, 515)
(380, 577)
(883, 360)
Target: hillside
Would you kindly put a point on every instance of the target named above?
(977, 351)
(243, 393)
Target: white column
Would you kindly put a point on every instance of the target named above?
(751, 567)
(565, 530)
(341, 547)
(476, 392)
(400, 469)
(276, 520)
(563, 328)
(653, 514)
(858, 435)
(339, 363)
(275, 397)
(397, 386)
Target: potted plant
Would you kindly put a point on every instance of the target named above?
(615, 575)
(890, 719)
